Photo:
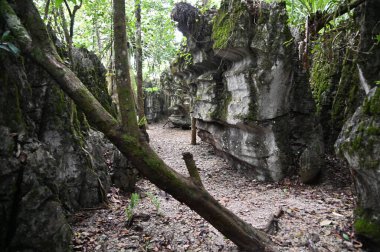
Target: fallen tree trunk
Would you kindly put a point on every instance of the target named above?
(35, 43)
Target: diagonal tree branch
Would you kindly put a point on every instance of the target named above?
(35, 43)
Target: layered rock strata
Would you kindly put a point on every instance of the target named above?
(252, 101)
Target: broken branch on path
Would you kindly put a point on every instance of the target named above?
(192, 168)
(272, 227)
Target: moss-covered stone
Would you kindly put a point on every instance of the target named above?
(371, 105)
(335, 81)
(220, 113)
(367, 226)
(226, 24)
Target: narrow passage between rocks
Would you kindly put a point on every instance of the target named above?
(312, 217)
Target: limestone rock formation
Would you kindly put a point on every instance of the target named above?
(51, 162)
(176, 97)
(252, 100)
(359, 143)
(359, 139)
(153, 103)
(334, 79)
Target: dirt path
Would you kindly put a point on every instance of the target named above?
(315, 218)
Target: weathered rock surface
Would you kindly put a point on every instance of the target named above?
(334, 79)
(153, 102)
(176, 98)
(252, 100)
(344, 81)
(359, 143)
(51, 163)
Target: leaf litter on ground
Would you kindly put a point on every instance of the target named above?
(315, 217)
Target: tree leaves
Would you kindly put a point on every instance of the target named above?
(299, 10)
(58, 2)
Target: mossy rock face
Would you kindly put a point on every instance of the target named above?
(335, 81)
(371, 105)
(359, 140)
(230, 25)
(359, 143)
(367, 226)
(92, 73)
(52, 160)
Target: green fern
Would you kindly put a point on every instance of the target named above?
(130, 209)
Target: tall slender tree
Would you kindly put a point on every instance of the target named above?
(138, 58)
(123, 78)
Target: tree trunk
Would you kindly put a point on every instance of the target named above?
(139, 73)
(39, 47)
(123, 78)
(193, 131)
(66, 32)
(97, 35)
(46, 14)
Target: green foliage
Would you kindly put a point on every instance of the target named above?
(300, 10)
(158, 35)
(377, 38)
(142, 121)
(152, 89)
(93, 30)
(155, 201)
(59, 2)
(210, 4)
(130, 209)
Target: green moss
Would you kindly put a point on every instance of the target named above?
(366, 226)
(364, 139)
(222, 29)
(226, 22)
(130, 140)
(221, 111)
(343, 105)
(372, 106)
(356, 143)
(373, 130)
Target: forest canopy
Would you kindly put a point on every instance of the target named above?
(93, 29)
